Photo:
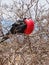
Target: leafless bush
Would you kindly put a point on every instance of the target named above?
(23, 49)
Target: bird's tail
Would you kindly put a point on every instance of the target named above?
(5, 37)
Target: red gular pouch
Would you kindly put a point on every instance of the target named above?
(30, 26)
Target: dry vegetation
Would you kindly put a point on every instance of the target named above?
(23, 49)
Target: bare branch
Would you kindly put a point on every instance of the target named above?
(47, 1)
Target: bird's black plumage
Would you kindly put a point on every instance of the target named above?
(16, 28)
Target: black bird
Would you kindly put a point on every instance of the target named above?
(18, 27)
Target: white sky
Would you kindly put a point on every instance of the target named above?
(43, 2)
(8, 2)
